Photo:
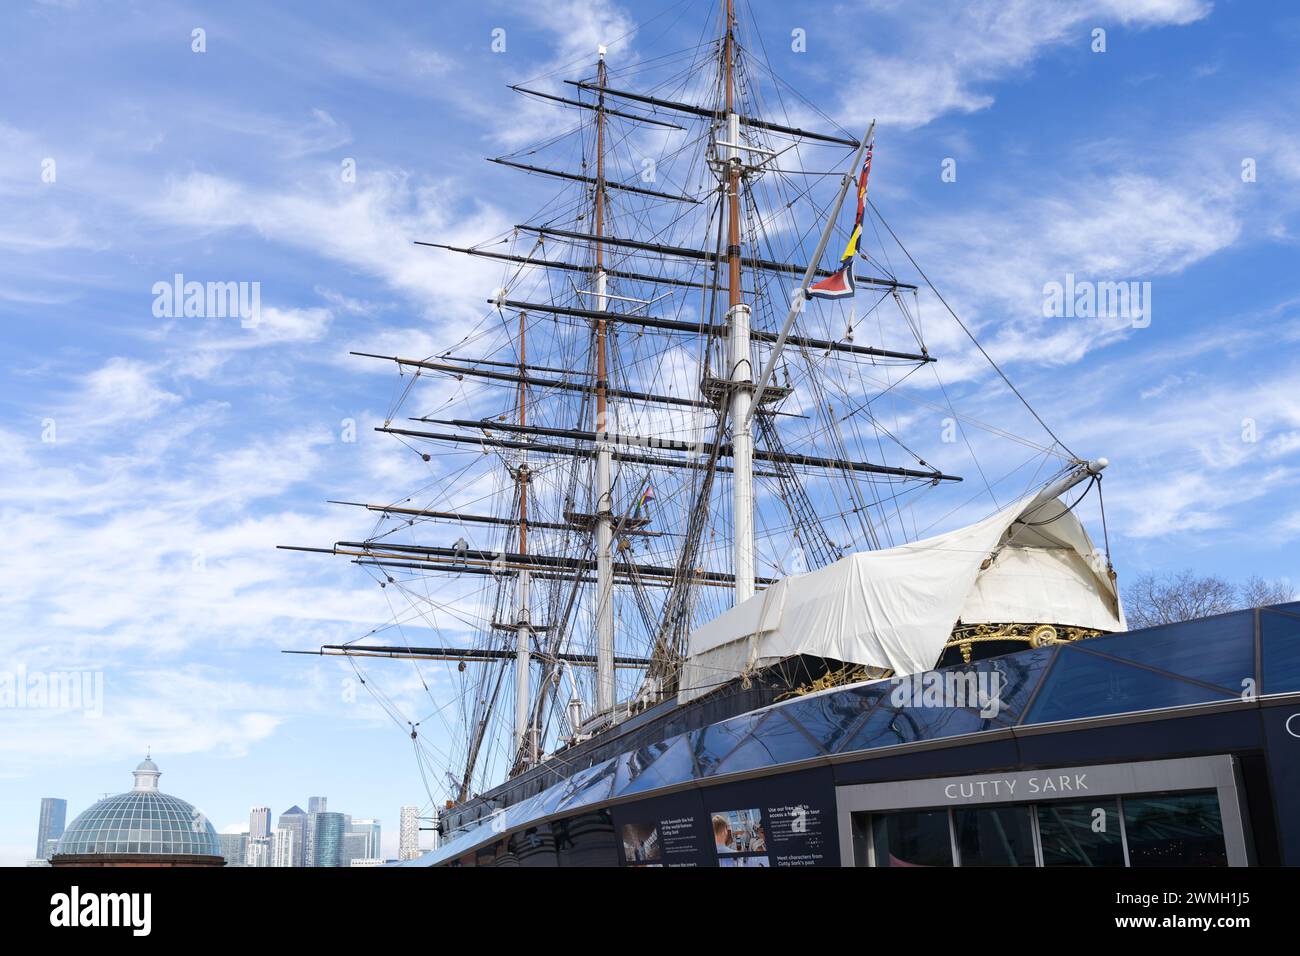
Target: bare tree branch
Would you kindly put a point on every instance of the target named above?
(1151, 600)
(1257, 592)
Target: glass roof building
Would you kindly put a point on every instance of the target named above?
(1175, 744)
(142, 827)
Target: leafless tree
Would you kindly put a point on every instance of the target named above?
(1165, 599)
(1257, 592)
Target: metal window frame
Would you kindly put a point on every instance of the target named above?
(1220, 773)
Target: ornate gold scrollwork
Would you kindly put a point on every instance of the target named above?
(965, 636)
(846, 674)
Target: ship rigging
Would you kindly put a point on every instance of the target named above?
(672, 403)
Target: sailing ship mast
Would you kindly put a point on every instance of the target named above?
(740, 361)
(605, 684)
(567, 555)
(523, 623)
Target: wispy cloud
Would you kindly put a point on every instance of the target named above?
(942, 58)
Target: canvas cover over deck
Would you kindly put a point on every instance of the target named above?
(895, 608)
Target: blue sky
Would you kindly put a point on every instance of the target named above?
(141, 540)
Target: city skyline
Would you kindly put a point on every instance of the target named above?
(369, 831)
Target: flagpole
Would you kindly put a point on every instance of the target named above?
(796, 305)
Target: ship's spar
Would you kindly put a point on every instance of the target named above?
(540, 594)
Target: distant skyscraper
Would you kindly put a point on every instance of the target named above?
(315, 807)
(294, 819)
(234, 847)
(54, 814)
(409, 833)
(331, 828)
(370, 828)
(259, 852)
(284, 845)
(354, 847)
(259, 823)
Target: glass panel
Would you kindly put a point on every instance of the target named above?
(828, 717)
(534, 847)
(1081, 834)
(671, 763)
(1279, 636)
(772, 740)
(645, 768)
(1017, 675)
(489, 855)
(717, 740)
(861, 825)
(590, 786)
(995, 836)
(890, 725)
(1177, 829)
(1218, 650)
(918, 838)
(1084, 685)
(586, 840)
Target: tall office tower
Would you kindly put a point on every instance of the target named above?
(54, 813)
(330, 830)
(259, 823)
(309, 840)
(283, 844)
(234, 847)
(259, 852)
(435, 838)
(370, 828)
(315, 807)
(295, 821)
(408, 833)
(354, 847)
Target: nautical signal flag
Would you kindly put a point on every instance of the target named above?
(840, 284)
(646, 497)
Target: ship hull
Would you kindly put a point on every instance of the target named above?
(1133, 749)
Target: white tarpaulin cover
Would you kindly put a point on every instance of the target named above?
(896, 608)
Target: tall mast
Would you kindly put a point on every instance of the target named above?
(739, 360)
(605, 688)
(523, 624)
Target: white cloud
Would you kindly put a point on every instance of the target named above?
(944, 56)
(118, 392)
(369, 226)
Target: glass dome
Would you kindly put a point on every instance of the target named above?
(142, 820)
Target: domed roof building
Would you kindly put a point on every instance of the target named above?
(142, 827)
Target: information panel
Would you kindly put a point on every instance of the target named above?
(667, 831)
(786, 820)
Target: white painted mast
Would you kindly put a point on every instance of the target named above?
(523, 624)
(523, 617)
(740, 370)
(523, 664)
(605, 686)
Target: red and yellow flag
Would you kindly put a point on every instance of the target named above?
(840, 285)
